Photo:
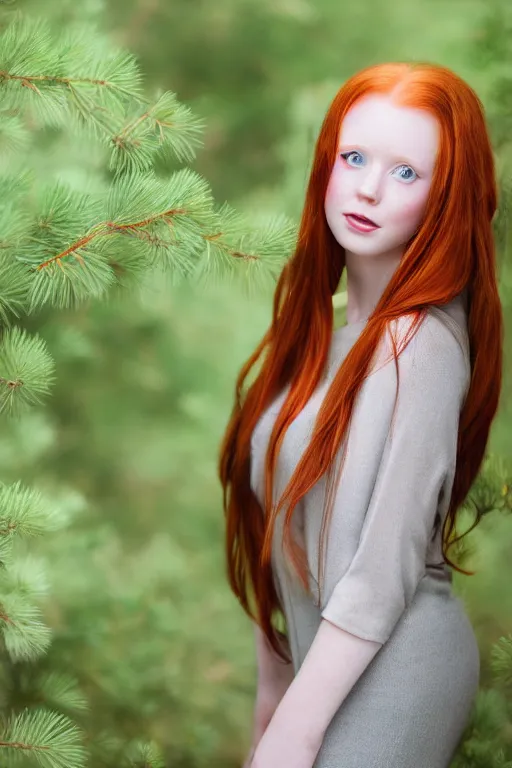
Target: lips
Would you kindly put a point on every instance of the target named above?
(364, 219)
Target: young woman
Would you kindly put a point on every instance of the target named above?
(345, 462)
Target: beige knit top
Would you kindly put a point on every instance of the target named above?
(394, 489)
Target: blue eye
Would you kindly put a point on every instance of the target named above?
(408, 178)
(400, 169)
(346, 155)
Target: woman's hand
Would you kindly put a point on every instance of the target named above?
(278, 741)
(268, 696)
(274, 679)
(277, 749)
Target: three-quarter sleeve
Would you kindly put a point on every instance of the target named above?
(416, 469)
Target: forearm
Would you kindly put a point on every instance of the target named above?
(268, 698)
(333, 664)
(272, 670)
(274, 679)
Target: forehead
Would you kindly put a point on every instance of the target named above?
(384, 128)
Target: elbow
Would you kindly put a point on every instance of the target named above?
(364, 611)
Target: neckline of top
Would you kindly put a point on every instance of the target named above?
(355, 328)
(349, 327)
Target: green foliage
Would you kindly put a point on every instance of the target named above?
(133, 300)
(63, 248)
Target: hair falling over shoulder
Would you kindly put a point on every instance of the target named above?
(453, 250)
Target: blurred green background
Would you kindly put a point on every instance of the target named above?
(145, 384)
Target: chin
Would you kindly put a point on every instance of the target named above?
(360, 244)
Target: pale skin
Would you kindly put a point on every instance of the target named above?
(274, 678)
(387, 178)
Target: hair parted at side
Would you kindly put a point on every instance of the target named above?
(452, 250)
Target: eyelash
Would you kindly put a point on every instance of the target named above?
(345, 155)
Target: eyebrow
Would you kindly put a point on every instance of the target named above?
(395, 159)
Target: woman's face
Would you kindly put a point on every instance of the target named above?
(383, 170)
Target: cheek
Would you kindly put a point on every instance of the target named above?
(409, 214)
(332, 191)
(336, 187)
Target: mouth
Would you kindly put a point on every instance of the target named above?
(362, 219)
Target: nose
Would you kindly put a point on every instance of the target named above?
(369, 188)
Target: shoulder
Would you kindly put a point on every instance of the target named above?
(437, 336)
(436, 352)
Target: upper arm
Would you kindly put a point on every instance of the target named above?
(417, 464)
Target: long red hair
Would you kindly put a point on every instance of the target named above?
(452, 250)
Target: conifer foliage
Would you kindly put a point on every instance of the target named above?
(62, 249)
(59, 249)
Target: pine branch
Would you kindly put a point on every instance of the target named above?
(27, 371)
(25, 636)
(58, 690)
(171, 224)
(50, 739)
(167, 129)
(103, 96)
(140, 754)
(25, 513)
(61, 247)
(34, 66)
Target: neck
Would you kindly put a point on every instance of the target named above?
(367, 278)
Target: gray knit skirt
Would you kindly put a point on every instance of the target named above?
(412, 704)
